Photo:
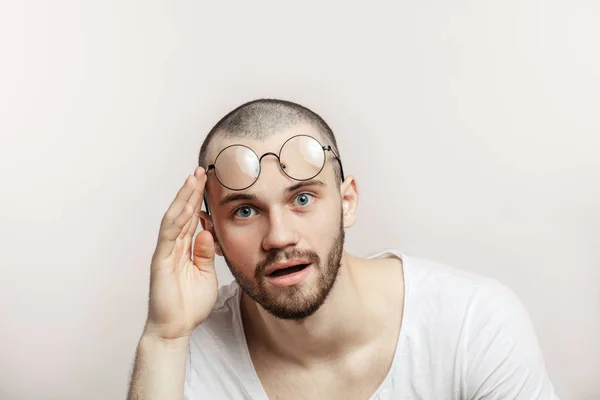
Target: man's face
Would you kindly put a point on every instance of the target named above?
(281, 238)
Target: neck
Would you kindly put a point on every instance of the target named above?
(345, 322)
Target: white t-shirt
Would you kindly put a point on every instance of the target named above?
(463, 337)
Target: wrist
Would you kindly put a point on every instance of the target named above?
(150, 340)
(166, 334)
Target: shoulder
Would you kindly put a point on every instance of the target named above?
(471, 300)
(447, 288)
(431, 272)
(483, 298)
(494, 338)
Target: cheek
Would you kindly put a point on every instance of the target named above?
(322, 227)
(241, 245)
(243, 240)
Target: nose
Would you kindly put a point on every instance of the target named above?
(280, 233)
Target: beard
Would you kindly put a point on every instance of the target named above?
(293, 302)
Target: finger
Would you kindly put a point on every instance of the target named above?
(190, 227)
(168, 230)
(189, 236)
(180, 200)
(184, 219)
(204, 252)
(196, 199)
(172, 226)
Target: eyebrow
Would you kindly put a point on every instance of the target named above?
(312, 182)
(230, 198)
(233, 197)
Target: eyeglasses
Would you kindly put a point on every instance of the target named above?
(301, 157)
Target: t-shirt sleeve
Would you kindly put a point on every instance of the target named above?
(503, 356)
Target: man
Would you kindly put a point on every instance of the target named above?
(304, 319)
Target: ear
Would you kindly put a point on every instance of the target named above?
(349, 196)
(207, 225)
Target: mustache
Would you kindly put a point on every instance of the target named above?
(276, 255)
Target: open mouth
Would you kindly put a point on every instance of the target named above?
(288, 270)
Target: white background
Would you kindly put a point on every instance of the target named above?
(472, 128)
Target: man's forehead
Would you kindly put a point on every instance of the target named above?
(270, 143)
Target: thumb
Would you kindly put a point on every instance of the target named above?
(204, 252)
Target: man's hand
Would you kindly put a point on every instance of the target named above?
(183, 289)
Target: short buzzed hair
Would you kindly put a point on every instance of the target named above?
(261, 118)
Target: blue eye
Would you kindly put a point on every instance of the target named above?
(303, 199)
(244, 212)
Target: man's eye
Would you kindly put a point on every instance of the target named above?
(303, 199)
(244, 212)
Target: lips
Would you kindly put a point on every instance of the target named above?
(291, 275)
(287, 268)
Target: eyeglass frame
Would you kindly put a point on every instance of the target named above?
(278, 156)
(281, 167)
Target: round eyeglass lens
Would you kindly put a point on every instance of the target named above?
(302, 157)
(237, 167)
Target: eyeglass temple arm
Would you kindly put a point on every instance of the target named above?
(337, 158)
(206, 205)
(211, 166)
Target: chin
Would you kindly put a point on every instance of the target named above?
(296, 302)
